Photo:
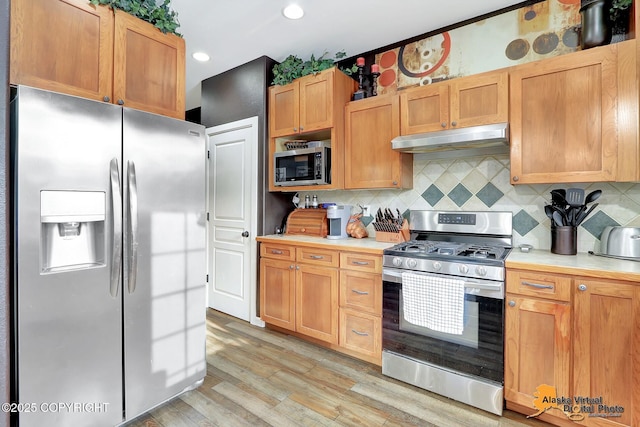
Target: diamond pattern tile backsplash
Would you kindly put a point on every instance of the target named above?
(482, 183)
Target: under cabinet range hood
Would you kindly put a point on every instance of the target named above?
(470, 141)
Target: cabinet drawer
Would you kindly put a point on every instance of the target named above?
(361, 333)
(361, 291)
(324, 257)
(361, 262)
(541, 285)
(277, 251)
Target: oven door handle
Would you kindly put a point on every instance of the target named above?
(395, 276)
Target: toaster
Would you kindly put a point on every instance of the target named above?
(620, 242)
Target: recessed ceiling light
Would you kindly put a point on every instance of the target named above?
(200, 56)
(293, 11)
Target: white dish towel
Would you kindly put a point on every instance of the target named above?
(433, 302)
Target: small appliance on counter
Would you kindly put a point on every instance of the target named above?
(308, 222)
(620, 242)
(338, 218)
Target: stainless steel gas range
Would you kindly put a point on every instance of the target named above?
(443, 305)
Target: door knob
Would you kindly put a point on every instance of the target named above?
(245, 234)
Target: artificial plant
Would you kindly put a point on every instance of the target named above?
(160, 15)
(293, 67)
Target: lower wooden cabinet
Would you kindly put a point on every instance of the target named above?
(332, 297)
(578, 335)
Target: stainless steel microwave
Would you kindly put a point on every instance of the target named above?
(305, 166)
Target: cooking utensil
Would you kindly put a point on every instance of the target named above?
(575, 198)
(591, 197)
(558, 218)
(581, 217)
(558, 197)
(548, 209)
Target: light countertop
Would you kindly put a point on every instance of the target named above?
(369, 244)
(581, 264)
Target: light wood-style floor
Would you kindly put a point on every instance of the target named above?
(259, 377)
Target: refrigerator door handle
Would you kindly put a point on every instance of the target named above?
(132, 209)
(116, 205)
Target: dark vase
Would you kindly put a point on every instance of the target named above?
(596, 25)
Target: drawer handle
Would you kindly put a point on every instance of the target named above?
(537, 285)
(276, 251)
(362, 334)
(355, 291)
(360, 262)
(316, 257)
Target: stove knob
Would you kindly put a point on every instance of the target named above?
(396, 261)
(411, 263)
(437, 265)
(463, 269)
(481, 271)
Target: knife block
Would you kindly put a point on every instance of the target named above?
(402, 235)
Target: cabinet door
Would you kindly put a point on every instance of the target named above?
(317, 302)
(370, 162)
(361, 291)
(479, 100)
(316, 101)
(361, 333)
(537, 348)
(149, 67)
(62, 45)
(563, 118)
(284, 109)
(424, 109)
(607, 349)
(277, 292)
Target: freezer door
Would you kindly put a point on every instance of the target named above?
(67, 308)
(165, 267)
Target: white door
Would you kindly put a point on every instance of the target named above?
(232, 206)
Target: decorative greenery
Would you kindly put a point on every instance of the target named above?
(618, 7)
(293, 67)
(161, 16)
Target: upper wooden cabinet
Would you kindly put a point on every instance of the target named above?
(572, 119)
(462, 102)
(62, 45)
(308, 104)
(73, 47)
(370, 162)
(149, 67)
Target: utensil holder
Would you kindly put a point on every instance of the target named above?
(392, 233)
(564, 240)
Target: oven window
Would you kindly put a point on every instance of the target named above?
(478, 351)
(299, 168)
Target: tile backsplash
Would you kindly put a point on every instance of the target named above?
(482, 183)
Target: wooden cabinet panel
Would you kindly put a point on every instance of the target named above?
(317, 302)
(539, 284)
(316, 102)
(424, 109)
(607, 348)
(361, 262)
(62, 45)
(361, 333)
(369, 160)
(277, 251)
(537, 348)
(277, 292)
(564, 118)
(361, 291)
(461, 102)
(149, 67)
(326, 257)
(284, 109)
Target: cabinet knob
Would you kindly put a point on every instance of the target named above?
(512, 303)
(443, 124)
(120, 102)
(295, 129)
(516, 178)
(297, 267)
(582, 287)
(106, 99)
(301, 128)
(395, 182)
(291, 267)
(454, 123)
(245, 234)
(302, 230)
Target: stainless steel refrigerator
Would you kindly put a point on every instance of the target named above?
(109, 233)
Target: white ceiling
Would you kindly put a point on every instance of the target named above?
(234, 32)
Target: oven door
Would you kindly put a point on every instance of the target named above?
(477, 352)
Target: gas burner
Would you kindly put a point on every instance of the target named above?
(414, 248)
